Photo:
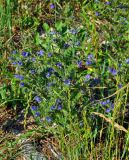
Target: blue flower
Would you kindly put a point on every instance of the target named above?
(120, 85)
(22, 84)
(19, 63)
(112, 105)
(37, 114)
(59, 107)
(66, 45)
(88, 76)
(113, 71)
(32, 71)
(104, 103)
(33, 59)
(50, 70)
(88, 62)
(25, 54)
(108, 110)
(127, 60)
(52, 6)
(14, 52)
(53, 107)
(19, 76)
(79, 63)
(48, 75)
(107, 3)
(37, 99)
(48, 119)
(67, 81)
(97, 13)
(34, 108)
(73, 31)
(14, 63)
(59, 64)
(58, 101)
(49, 54)
(77, 43)
(90, 56)
(40, 53)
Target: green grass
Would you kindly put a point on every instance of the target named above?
(79, 67)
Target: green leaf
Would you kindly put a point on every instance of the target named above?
(38, 39)
(59, 26)
(3, 92)
(46, 27)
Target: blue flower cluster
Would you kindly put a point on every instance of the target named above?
(58, 105)
(62, 66)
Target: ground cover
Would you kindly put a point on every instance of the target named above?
(64, 78)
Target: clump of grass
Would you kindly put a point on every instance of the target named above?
(66, 72)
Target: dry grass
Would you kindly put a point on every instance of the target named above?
(116, 125)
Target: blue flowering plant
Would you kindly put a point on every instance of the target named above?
(65, 64)
(70, 71)
(62, 68)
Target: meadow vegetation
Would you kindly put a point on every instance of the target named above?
(64, 78)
